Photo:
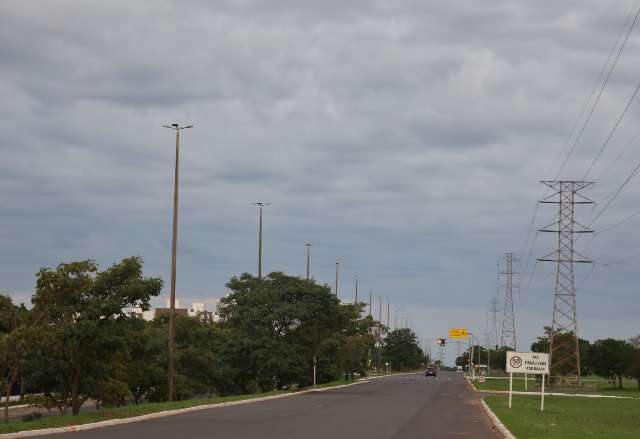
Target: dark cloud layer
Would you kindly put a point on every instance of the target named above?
(405, 139)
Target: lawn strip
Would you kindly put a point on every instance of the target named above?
(568, 418)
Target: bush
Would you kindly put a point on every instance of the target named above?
(33, 416)
(114, 393)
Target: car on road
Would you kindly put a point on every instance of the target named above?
(431, 372)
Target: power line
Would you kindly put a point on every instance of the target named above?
(615, 194)
(602, 75)
(613, 130)
(604, 83)
(626, 148)
(620, 223)
(619, 261)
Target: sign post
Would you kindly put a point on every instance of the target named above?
(534, 363)
(463, 333)
(510, 388)
(542, 399)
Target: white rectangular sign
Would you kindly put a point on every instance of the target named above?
(534, 363)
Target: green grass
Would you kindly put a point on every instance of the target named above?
(568, 418)
(591, 386)
(130, 411)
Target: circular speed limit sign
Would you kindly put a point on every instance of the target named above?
(515, 362)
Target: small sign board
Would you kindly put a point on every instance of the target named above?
(458, 333)
(534, 363)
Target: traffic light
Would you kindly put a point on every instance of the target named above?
(441, 342)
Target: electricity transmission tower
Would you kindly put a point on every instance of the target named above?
(508, 335)
(564, 351)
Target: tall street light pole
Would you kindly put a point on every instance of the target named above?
(174, 244)
(308, 258)
(388, 312)
(356, 300)
(355, 305)
(337, 268)
(260, 206)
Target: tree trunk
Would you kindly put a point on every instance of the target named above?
(75, 393)
(6, 403)
(619, 381)
(10, 382)
(22, 388)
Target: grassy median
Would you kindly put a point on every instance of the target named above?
(568, 417)
(135, 410)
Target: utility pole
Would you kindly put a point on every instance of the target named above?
(565, 353)
(260, 206)
(308, 259)
(493, 330)
(508, 336)
(174, 246)
(370, 302)
(395, 320)
(379, 329)
(388, 311)
(337, 268)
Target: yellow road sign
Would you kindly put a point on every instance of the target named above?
(458, 333)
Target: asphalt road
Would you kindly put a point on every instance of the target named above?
(395, 407)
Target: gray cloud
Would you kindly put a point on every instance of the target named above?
(404, 139)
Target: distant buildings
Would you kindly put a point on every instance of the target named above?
(197, 310)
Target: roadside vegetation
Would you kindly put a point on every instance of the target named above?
(568, 418)
(78, 342)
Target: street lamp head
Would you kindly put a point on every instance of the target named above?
(188, 126)
(175, 125)
(308, 245)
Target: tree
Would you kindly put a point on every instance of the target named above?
(612, 358)
(13, 321)
(146, 362)
(278, 325)
(568, 340)
(401, 350)
(82, 309)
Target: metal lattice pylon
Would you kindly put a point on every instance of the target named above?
(508, 274)
(564, 351)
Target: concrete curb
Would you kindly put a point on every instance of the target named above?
(496, 422)
(156, 415)
(520, 392)
(578, 395)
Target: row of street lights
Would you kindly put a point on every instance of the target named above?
(174, 243)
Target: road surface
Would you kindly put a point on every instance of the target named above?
(394, 407)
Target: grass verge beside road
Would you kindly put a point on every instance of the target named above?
(568, 418)
(133, 410)
(601, 387)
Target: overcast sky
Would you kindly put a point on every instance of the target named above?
(404, 139)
